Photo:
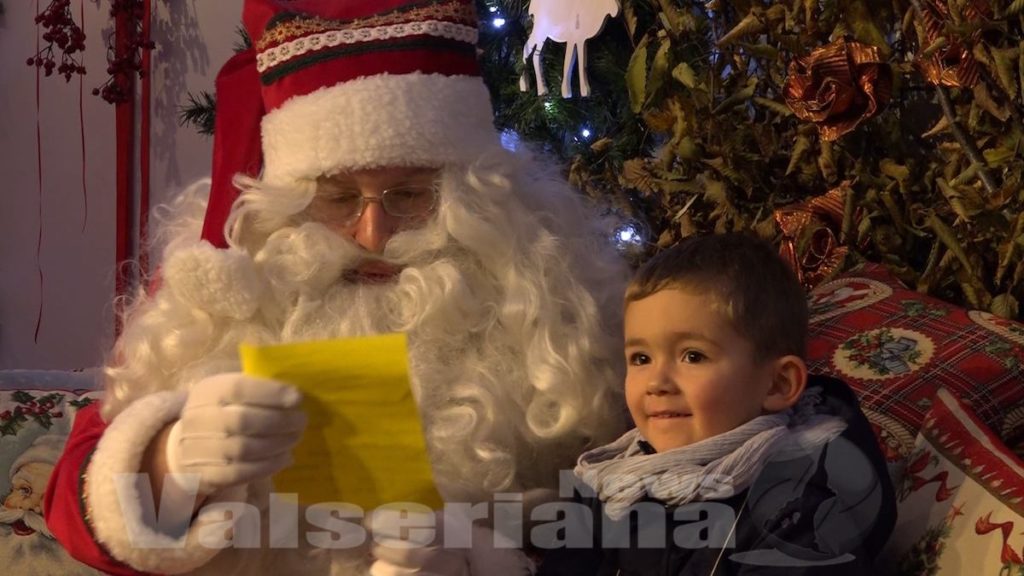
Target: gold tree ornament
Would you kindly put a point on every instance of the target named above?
(838, 86)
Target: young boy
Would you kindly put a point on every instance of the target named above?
(739, 464)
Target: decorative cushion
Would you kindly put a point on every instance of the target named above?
(961, 501)
(37, 409)
(896, 348)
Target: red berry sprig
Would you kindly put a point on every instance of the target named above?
(66, 35)
(120, 67)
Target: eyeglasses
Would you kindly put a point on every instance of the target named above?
(345, 206)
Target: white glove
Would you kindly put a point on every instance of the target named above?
(235, 429)
(426, 552)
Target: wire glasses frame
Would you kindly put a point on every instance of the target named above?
(344, 207)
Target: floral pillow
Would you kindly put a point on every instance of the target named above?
(896, 348)
(961, 501)
(37, 409)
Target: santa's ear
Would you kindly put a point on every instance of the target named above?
(789, 378)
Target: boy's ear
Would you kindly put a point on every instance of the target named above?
(789, 378)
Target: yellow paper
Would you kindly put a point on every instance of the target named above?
(364, 442)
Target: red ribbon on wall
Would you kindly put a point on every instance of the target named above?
(81, 130)
(124, 125)
(147, 18)
(39, 183)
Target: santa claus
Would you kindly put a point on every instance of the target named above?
(26, 544)
(359, 187)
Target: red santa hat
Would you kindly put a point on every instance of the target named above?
(45, 449)
(331, 86)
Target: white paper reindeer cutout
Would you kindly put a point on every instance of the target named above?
(569, 21)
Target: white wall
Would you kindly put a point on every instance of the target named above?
(193, 39)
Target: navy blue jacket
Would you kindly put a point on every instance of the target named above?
(835, 526)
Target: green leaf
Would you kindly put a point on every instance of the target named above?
(22, 397)
(715, 190)
(629, 15)
(750, 25)
(761, 50)
(893, 170)
(722, 166)
(779, 107)
(688, 186)
(958, 199)
(800, 148)
(687, 149)
(827, 162)
(1020, 64)
(938, 44)
(659, 69)
(1005, 61)
(1008, 250)
(862, 23)
(636, 77)
(941, 126)
(685, 75)
(738, 98)
(999, 156)
(669, 19)
(983, 99)
(966, 176)
(948, 237)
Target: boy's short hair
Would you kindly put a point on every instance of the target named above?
(757, 291)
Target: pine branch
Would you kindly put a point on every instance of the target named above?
(244, 42)
(199, 113)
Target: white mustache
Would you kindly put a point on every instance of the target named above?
(30, 518)
(310, 258)
(10, 515)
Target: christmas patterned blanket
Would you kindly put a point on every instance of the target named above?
(37, 409)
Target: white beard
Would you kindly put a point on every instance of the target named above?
(513, 338)
(36, 553)
(439, 300)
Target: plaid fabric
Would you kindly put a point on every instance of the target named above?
(897, 348)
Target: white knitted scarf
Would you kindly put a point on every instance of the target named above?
(715, 468)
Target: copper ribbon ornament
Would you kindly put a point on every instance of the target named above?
(954, 64)
(810, 236)
(838, 86)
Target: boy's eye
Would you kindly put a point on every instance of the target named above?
(639, 359)
(694, 357)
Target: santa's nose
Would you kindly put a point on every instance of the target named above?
(374, 228)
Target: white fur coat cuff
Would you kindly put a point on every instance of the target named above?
(119, 501)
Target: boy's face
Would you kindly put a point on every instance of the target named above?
(689, 374)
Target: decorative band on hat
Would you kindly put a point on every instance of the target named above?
(434, 32)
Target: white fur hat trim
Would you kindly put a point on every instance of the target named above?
(412, 119)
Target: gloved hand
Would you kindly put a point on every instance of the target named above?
(235, 429)
(426, 552)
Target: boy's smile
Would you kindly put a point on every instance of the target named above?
(689, 375)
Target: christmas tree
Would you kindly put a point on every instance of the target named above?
(897, 123)
(848, 130)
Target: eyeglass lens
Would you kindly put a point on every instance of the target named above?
(347, 205)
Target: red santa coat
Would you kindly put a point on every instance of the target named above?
(63, 505)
